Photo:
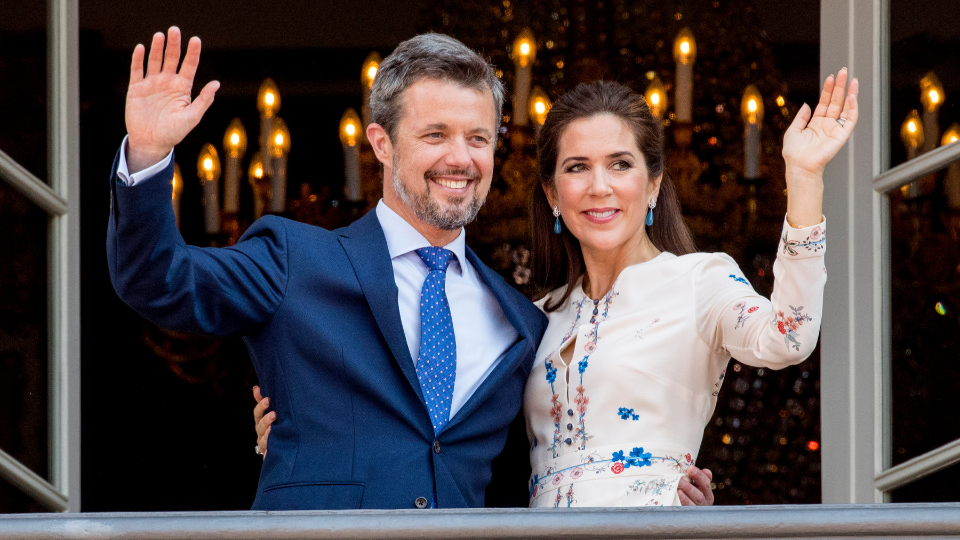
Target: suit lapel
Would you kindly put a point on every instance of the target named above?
(366, 247)
(510, 359)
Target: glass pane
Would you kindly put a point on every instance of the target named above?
(23, 94)
(924, 75)
(925, 312)
(15, 501)
(938, 487)
(23, 330)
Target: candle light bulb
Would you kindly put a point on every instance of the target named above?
(208, 163)
(952, 134)
(911, 133)
(931, 92)
(349, 128)
(540, 106)
(370, 67)
(751, 107)
(279, 139)
(524, 48)
(177, 182)
(685, 47)
(256, 168)
(235, 139)
(781, 101)
(656, 96)
(268, 99)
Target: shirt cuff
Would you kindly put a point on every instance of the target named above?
(803, 243)
(123, 172)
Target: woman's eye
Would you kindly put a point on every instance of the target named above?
(577, 167)
(622, 165)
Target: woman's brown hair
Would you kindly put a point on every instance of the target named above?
(557, 259)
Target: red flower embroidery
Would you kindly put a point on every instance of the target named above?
(689, 458)
(557, 478)
(576, 473)
(590, 347)
(780, 327)
(751, 310)
(617, 468)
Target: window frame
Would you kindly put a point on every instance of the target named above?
(61, 200)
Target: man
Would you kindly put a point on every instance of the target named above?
(335, 319)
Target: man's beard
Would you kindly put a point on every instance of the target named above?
(448, 218)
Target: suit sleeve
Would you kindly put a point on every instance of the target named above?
(217, 291)
(772, 333)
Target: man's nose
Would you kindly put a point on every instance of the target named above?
(458, 154)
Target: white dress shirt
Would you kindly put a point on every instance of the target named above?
(482, 331)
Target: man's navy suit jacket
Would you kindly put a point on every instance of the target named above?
(318, 311)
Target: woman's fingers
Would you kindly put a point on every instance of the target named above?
(838, 94)
(825, 96)
(851, 110)
(262, 443)
(801, 119)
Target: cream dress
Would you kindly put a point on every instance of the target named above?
(620, 425)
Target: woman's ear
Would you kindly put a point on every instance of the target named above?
(551, 193)
(655, 193)
(380, 141)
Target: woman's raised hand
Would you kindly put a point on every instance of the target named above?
(159, 109)
(811, 141)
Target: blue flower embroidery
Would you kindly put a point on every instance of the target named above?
(627, 414)
(739, 279)
(640, 458)
(551, 373)
(617, 456)
(582, 366)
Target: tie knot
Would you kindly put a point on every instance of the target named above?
(436, 258)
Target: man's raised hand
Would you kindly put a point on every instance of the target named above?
(159, 109)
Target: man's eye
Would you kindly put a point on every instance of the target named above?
(435, 135)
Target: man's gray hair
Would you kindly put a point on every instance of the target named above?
(429, 56)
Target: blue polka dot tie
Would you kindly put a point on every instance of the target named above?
(437, 364)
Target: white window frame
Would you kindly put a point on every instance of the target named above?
(61, 201)
(855, 348)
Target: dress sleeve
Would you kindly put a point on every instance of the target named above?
(772, 333)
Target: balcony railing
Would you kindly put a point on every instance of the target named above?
(753, 522)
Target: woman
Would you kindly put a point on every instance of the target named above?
(641, 327)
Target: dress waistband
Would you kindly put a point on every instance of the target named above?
(621, 461)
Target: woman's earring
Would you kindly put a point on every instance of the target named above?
(556, 214)
(652, 204)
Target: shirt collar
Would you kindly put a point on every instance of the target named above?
(402, 237)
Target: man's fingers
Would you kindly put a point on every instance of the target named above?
(693, 495)
(136, 64)
(684, 500)
(701, 482)
(203, 102)
(155, 60)
(172, 57)
(709, 474)
(192, 59)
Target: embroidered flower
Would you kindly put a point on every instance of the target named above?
(557, 478)
(815, 234)
(617, 456)
(739, 279)
(751, 310)
(617, 468)
(739, 305)
(551, 372)
(627, 414)
(780, 327)
(576, 473)
(590, 347)
(582, 365)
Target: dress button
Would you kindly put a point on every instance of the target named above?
(569, 441)
(593, 320)
(421, 502)
(436, 447)
(597, 301)
(569, 426)
(570, 412)
(596, 311)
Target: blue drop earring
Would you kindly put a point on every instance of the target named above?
(652, 205)
(556, 214)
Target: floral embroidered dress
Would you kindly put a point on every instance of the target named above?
(620, 425)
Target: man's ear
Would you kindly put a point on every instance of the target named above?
(380, 141)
